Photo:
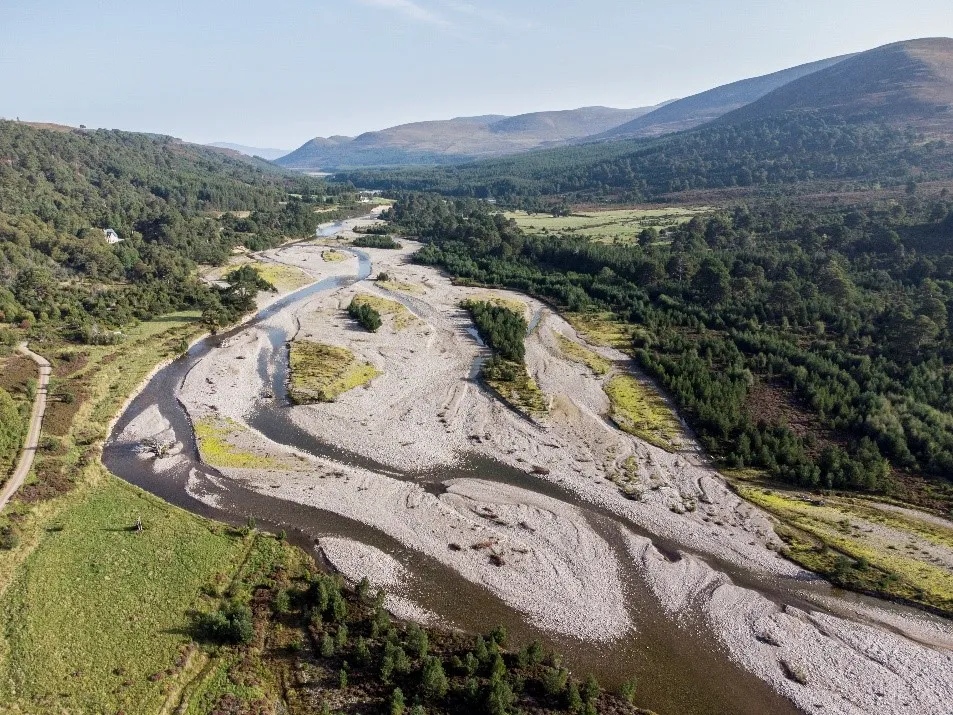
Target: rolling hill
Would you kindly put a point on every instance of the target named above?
(700, 108)
(903, 84)
(848, 122)
(455, 140)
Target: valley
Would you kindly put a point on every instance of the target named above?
(422, 476)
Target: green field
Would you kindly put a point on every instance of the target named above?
(620, 225)
(97, 609)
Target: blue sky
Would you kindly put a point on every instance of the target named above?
(273, 74)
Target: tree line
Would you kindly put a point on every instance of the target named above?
(841, 316)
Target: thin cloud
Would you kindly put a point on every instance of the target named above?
(411, 10)
(491, 16)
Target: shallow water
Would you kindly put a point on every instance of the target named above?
(680, 667)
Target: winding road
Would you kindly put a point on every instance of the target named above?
(33, 433)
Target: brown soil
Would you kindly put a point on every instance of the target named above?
(773, 403)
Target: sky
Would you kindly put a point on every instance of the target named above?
(276, 73)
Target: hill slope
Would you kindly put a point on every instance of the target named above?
(904, 83)
(269, 154)
(60, 188)
(454, 140)
(845, 123)
(704, 107)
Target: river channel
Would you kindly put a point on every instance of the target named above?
(680, 666)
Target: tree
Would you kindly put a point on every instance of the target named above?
(397, 702)
(433, 680)
(711, 282)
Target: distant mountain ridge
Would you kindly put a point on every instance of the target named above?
(459, 139)
(706, 106)
(269, 154)
(884, 117)
(906, 83)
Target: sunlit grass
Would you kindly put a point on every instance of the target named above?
(640, 411)
(402, 317)
(322, 373)
(583, 355)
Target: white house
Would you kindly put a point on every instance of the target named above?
(111, 236)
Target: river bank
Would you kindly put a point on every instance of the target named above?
(539, 520)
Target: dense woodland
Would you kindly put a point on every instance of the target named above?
(813, 344)
(165, 199)
(800, 147)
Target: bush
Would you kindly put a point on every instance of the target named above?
(9, 539)
(229, 625)
(365, 315)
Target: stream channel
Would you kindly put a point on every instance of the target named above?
(679, 666)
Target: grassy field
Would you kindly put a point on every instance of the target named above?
(861, 544)
(97, 611)
(92, 610)
(216, 441)
(612, 226)
(323, 372)
(332, 256)
(401, 286)
(400, 316)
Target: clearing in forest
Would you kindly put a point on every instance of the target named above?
(618, 225)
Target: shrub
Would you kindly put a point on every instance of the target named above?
(365, 315)
(232, 624)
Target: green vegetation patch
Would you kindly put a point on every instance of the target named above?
(642, 412)
(615, 225)
(512, 304)
(840, 539)
(603, 329)
(98, 614)
(284, 278)
(401, 286)
(216, 440)
(320, 373)
(402, 317)
(514, 385)
(332, 256)
(583, 355)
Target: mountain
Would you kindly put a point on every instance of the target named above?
(903, 84)
(847, 122)
(455, 140)
(269, 154)
(701, 108)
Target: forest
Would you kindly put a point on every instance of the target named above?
(814, 344)
(171, 203)
(762, 154)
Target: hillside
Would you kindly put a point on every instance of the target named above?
(903, 84)
(454, 140)
(269, 154)
(59, 190)
(845, 123)
(700, 108)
